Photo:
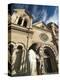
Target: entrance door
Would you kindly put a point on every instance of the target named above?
(48, 67)
(50, 61)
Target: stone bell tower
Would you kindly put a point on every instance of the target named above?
(21, 27)
(20, 35)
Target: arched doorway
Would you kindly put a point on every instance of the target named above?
(50, 60)
(17, 64)
(19, 59)
(33, 59)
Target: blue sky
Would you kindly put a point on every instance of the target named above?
(40, 12)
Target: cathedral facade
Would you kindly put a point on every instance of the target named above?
(22, 34)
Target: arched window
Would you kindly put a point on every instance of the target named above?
(25, 23)
(20, 21)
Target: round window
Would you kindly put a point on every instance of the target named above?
(43, 37)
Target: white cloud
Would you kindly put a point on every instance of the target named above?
(34, 17)
(53, 18)
(44, 15)
(36, 13)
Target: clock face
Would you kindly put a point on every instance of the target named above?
(43, 37)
